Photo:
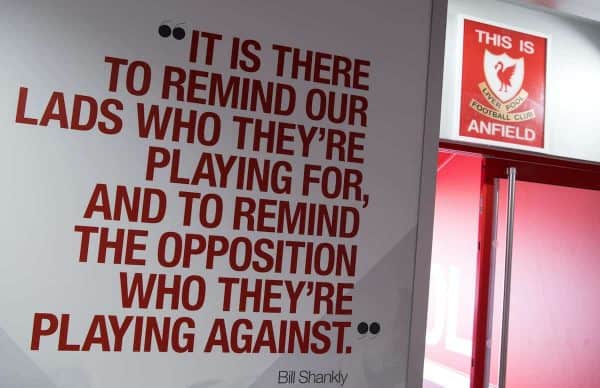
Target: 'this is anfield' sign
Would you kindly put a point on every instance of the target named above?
(503, 85)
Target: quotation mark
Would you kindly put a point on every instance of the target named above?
(363, 328)
(166, 31)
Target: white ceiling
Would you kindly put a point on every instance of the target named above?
(589, 9)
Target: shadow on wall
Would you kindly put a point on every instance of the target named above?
(18, 370)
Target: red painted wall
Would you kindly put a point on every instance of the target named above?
(454, 255)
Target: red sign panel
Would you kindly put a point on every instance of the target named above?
(503, 85)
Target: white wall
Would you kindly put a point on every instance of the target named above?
(47, 175)
(572, 127)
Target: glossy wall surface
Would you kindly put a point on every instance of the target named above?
(453, 269)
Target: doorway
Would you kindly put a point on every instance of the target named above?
(549, 324)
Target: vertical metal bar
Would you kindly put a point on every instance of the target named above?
(512, 176)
